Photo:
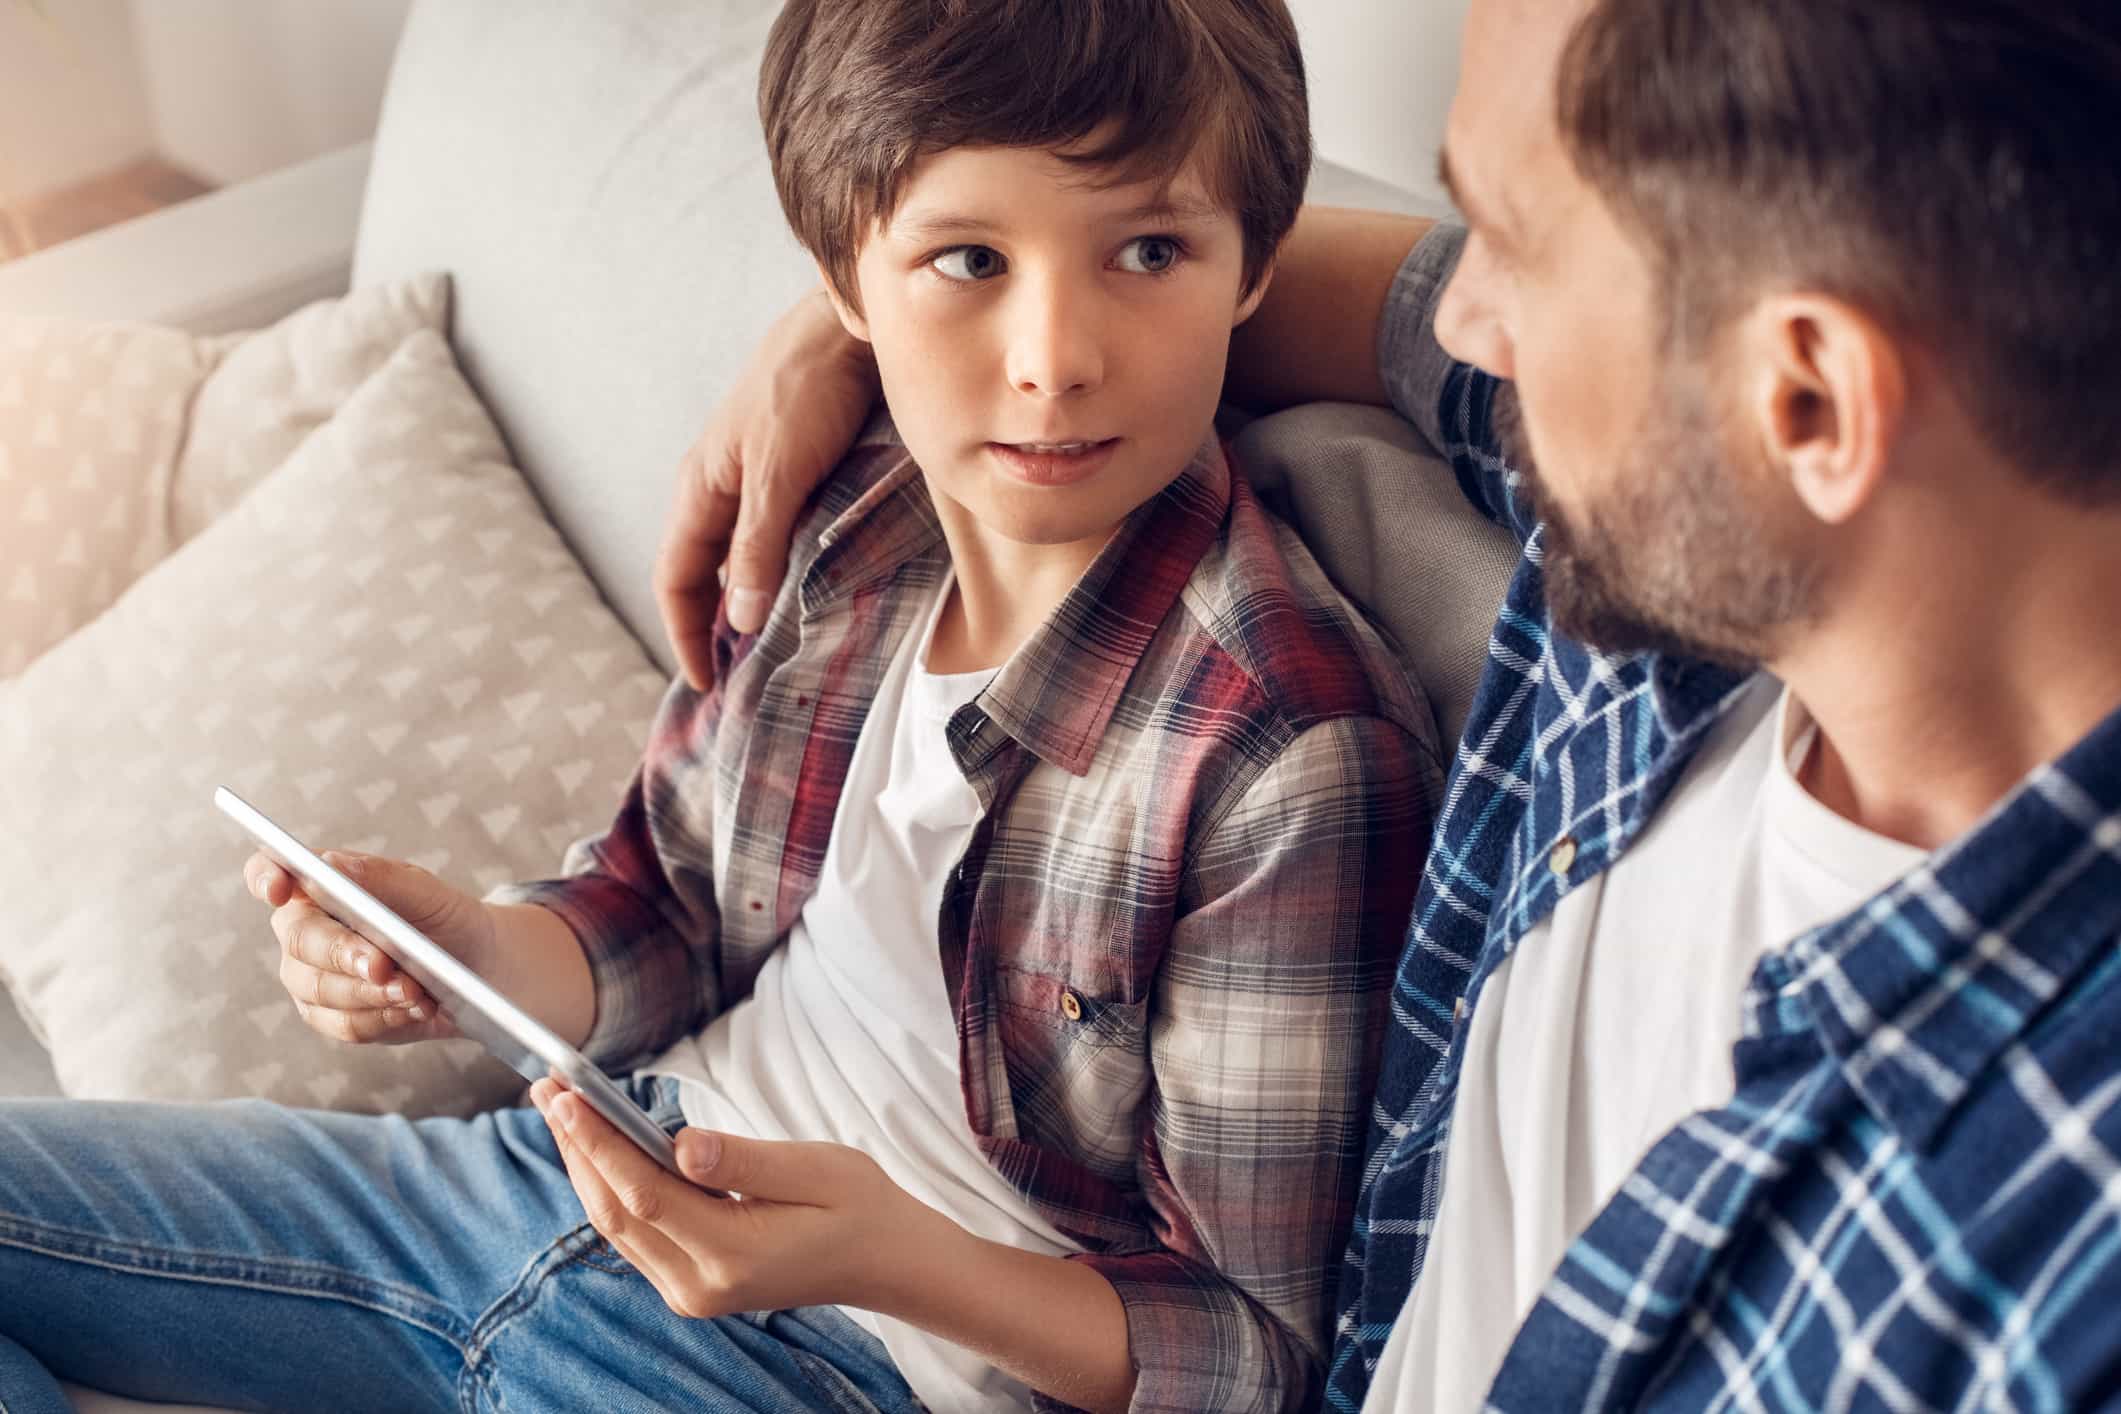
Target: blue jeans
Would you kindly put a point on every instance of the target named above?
(259, 1257)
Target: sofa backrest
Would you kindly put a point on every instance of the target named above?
(593, 177)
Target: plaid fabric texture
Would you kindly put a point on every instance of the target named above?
(1169, 945)
(1913, 1201)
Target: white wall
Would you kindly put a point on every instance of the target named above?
(70, 101)
(237, 87)
(1381, 74)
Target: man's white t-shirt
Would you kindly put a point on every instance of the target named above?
(847, 1036)
(1611, 1022)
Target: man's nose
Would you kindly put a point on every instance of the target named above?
(1468, 326)
(1055, 342)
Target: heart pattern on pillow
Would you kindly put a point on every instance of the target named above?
(119, 442)
(92, 418)
(386, 647)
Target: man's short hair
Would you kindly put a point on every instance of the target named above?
(853, 93)
(1948, 165)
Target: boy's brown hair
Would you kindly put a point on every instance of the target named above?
(853, 93)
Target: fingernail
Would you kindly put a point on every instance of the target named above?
(367, 963)
(563, 1111)
(747, 609)
(702, 1148)
(396, 992)
(418, 1011)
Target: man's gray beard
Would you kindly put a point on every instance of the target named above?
(1678, 561)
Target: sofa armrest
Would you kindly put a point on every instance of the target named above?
(238, 258)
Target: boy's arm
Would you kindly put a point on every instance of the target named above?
(538, 963)
(638, 900)
(1269, 1021)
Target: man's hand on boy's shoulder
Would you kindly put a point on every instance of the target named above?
(793, 413)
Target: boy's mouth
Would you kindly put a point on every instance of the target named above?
(1053, 463)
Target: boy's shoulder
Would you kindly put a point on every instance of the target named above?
(1312, 653)
(877, 459)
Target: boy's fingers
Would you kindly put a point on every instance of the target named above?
(326, 988)
(265, 879)
(620, 1188)
(356, 1027)
(308, 934)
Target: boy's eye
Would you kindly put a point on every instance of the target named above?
(969, 262)
(1149, 255)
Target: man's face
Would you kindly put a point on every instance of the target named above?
(1051, 349)
(1667, 529)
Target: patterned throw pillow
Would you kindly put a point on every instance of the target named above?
(386, 647)
(119, 442)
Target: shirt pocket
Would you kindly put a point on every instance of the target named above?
(1078, 1068)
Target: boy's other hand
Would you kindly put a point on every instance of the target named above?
(817, 1224)
(792, 415)
(343, 985)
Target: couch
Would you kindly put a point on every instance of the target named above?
(590, 181)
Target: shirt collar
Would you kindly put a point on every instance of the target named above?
(1920, 991)
(1058, 691)
(1056, 694)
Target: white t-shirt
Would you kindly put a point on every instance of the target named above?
(1610, 1023)
(847, 1036)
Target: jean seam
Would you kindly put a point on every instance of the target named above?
(324, 1282)
(567, 1251)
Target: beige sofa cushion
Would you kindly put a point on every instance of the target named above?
(386, 647)
(119, 442)
(1387, 520)
(92, 417)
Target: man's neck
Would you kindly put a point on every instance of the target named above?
(1005, 591)
(1961, 680)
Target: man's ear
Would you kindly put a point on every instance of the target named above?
(1827, 393)
(1249, 305)
(850, 318)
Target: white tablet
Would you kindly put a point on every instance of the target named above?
(529, 1047)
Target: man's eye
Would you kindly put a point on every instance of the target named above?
(969, 262)
(1149, 255)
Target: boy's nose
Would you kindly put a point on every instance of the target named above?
(1054, 349)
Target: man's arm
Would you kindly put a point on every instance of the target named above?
(1314, 336)
(810, 388)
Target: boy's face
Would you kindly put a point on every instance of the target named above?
(1052, 350)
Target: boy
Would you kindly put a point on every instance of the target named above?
(1012, 921)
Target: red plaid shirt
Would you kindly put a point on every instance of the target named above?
(1207, 787)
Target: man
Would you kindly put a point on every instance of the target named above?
(1758, 1018)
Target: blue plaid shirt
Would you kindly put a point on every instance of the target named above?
(1913, 1200)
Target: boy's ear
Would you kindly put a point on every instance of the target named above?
(1249, 305)
(856, 326)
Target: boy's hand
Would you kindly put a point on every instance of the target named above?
(792, 415)
(342, 984)
(817, 1224)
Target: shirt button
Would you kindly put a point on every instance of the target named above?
(1071, 1006)
(1563, 859)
